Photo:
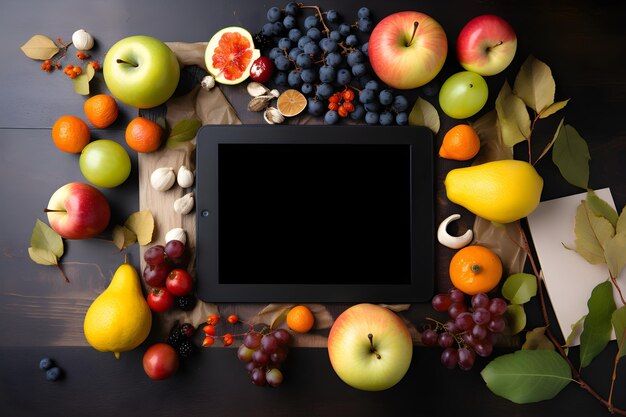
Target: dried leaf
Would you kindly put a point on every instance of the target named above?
(396, 307)
(597, 326)
(270, 312)
(536, 339)
(182, 132)
(621, 222)
(615, 254)
(40, 47)
(601, 208)
(492, 147)
(553, 108)
(81, 82)
(513, 117)
(591, 232)
(549, 145)
(424, 114)
(44, 237)
(519, 288)
(576, 329)
(534, 84)
(571, 155)
(618, 320)
(142, 224)
(515, 317)
(123, 237)
(42, 256)
(279, 319)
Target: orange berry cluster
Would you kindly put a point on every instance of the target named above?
(341, 102)
(47, 65)
(209, 330)
(72, 71)
(82, 55)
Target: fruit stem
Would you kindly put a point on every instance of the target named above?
(476, 268)
(415, 25)
(372, 348)
(63, 273)
(47, 210)
(489, 48)
(121, 61)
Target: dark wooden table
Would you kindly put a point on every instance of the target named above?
(41, 315)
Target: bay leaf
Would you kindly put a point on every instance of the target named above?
(553, 108)
(425, 114)
(590, 233)
(42, 256)
(570, 154)
(515, 317)
(535, 85)
(40, 47)
(44, 237)
(513, 117)
(620, 227)
(536, 339)
(551, 143)
(279, 318)
(615, 254)
(597, 325)
(81, 84)
(618, 320)
(519, 288)
(182, 132)
(601, 208)
(123, 237)
(142, 224)
(527, 376)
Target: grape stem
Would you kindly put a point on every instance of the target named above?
(319, 14)
(372, 348)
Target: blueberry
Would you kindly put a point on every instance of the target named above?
(289, 22)
(335, 35)
(45, 364)
(358, 113)
(371, 118)
(303, 41)
(365, 48)
(273, 14)
(344, 77)
(54, 374)
(332, 16)
(359, 69)
(355, 57)
(294, 52)
(331, 117)
(304, 61)
(311, 48)
(344, 29)
(386, 118)
(333, 59)
(315, 107)
(323, 91)
(385, 97)
(352, 40)
(311, 22)
(314, 33)
(293, 79)
(365, 25)
(282, 63)
(307, 89)
(363, 13)
(268, 29)
(372, 85)
(402, 119)
(284, 43)
(277, 28)
(291, 8)
(366, 96)
(280, 78)
(400, 104)
(294, 34)
(308, 75)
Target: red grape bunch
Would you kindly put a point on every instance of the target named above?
(263, 355)
(470, 331)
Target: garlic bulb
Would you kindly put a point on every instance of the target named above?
(162, 179)
(453, 242)
(184, 205)
(82, 40)
(184, 177)
(176, 233)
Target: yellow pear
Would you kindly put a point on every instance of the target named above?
(119, 319)
(499, 191)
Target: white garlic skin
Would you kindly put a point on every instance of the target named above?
(185, 204)
(176, 233)
(185, 177)
(162, 179)
(208, 82)
(82, 40)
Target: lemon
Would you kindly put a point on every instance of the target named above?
(499, 191)
(119, 319)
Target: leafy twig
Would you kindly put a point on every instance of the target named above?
(614, 376)
(619, 290)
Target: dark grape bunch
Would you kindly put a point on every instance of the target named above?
(470, 331)
(263, 355)
(326, 56)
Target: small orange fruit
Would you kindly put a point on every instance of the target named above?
(475, 269)
(300, 319)
(143, 135)
(291, 102)
(70, 134)
(101, 110)
(460, 143)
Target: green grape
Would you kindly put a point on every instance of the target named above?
(105, 163)
(463, 94)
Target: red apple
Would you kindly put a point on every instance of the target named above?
(78, 211)
(370, 347)
(486, 45)
(160, 361)
(407, 49)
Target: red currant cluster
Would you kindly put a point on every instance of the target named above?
(341, 102)
(70, 70)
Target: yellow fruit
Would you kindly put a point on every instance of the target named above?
(499, 191)
(119, 319)
(291, 103)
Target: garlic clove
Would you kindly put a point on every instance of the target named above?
(260, 102)
(453, 242)
(274, 93)
(273, 116)
(185, 177)
(208, 82)
(162, 179)
(185, 204)
(82, 40)
(256, 89)
(176, 233)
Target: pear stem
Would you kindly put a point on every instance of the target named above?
(121, 61)
(415, 25)
(372, 348)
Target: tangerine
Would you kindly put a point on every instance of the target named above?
(101, 110)
(70, 134)
(300, 319)
(291, 102)
(475, 269)
(143, 135)
(460, 143)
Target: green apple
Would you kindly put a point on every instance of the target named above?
(463, 94)
(370, 347)
(105, 163)
(141, 71)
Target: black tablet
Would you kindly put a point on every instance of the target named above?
(302, 213)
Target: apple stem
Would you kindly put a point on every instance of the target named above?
(121, 61)
(47, 210)
(372, 348)
(415, 25)
(497, 44)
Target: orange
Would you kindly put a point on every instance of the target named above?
(70, 134)
(475, 269)
(143, 135)
(300, 319)
(101, 110)
(291, 102)
(460, 143)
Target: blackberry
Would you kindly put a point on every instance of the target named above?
(187, 330)
(186, 348)
(175, 338)
(186, 302)
(262, 42)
